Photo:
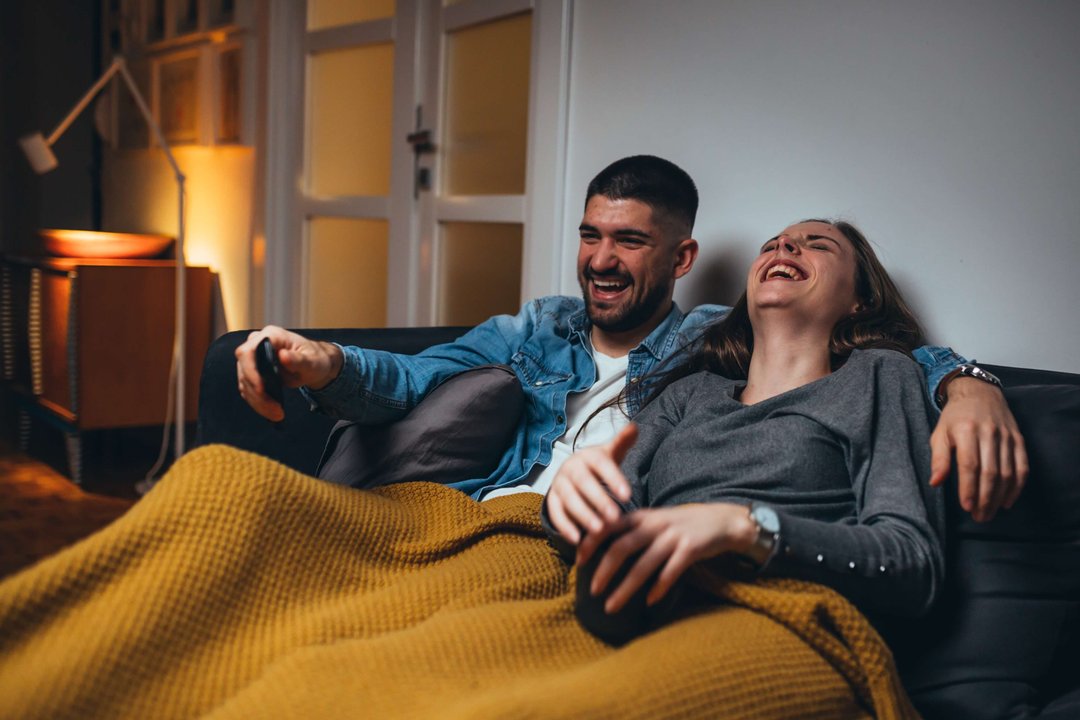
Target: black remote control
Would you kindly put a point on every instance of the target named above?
(266, 362)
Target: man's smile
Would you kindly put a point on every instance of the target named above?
(607, 287)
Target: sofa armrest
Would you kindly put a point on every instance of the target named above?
(297, 441)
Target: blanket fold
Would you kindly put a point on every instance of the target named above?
(239, 588)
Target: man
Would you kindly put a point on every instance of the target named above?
(573, 356)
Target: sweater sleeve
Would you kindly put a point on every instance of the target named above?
(655, 422)
(889, 558)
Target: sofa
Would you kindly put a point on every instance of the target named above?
(1002, 642)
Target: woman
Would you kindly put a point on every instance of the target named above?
(796, 437)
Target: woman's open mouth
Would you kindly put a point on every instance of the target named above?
(782, 270)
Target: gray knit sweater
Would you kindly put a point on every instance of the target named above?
(844, 460)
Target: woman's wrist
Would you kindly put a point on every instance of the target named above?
(738, 530)
(747, 530)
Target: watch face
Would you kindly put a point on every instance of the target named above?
(767, 518)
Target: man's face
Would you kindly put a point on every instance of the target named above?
(627, 264)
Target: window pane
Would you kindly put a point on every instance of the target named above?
(350, 99)
(479, 271)
(487, 108)
(347, 268)
(330, 13)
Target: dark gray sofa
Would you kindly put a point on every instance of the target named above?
(1004, 641)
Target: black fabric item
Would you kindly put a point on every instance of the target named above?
(458, 432)
(1004, 640)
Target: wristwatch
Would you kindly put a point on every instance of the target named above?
(767, 542)
(967, 370)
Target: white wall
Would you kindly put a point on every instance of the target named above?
(948, 131)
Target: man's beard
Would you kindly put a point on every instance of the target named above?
(629, 315)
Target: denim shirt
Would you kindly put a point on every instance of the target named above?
(547, 345)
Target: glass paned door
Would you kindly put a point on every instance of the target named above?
(472, 223)
(348, 162)
(403, 138)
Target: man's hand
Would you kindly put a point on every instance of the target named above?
(670, 539)
(302, 361)
(991, 462)
(577, 499)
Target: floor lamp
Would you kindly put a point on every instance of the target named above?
(38, 150)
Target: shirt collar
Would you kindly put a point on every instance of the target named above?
(659, 341)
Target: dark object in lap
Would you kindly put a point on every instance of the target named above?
(635, 618)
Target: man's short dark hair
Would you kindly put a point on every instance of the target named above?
(659, 183)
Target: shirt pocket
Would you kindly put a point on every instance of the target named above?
(533, 372)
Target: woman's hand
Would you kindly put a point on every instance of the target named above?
(670, 539)
(578, 500)
(302, 362)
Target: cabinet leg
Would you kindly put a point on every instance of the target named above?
(74, 453)
(23, 431)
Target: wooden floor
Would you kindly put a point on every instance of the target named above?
(41, 511)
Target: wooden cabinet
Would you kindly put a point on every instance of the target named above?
(87, 344)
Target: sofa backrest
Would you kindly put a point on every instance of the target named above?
(298, 440)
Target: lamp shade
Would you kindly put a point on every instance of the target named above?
(38, 153)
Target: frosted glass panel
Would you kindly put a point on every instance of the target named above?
(350, 99)
(487, 108)
(479, 271)
(346, 283)
(330, 13)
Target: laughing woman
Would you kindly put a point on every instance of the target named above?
(795, 439)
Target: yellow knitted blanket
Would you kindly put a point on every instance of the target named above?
(239, 588)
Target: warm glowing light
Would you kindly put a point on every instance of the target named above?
(258, 251)
(95, 244)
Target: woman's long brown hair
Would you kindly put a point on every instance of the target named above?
(883, 321)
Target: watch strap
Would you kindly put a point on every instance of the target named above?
(970, 370)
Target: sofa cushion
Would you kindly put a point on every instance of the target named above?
(458, 432)
(995, 645)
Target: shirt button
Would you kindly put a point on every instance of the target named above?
(634, 379)
(821, 558)
(538, 383)
(560, 419)
(851, 565)
(882, 570)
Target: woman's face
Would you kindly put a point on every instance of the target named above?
(808, 268)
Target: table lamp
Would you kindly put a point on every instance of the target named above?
(39, 152)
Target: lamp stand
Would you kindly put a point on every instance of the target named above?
(38, 151)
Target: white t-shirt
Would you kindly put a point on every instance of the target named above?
(610, 380)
